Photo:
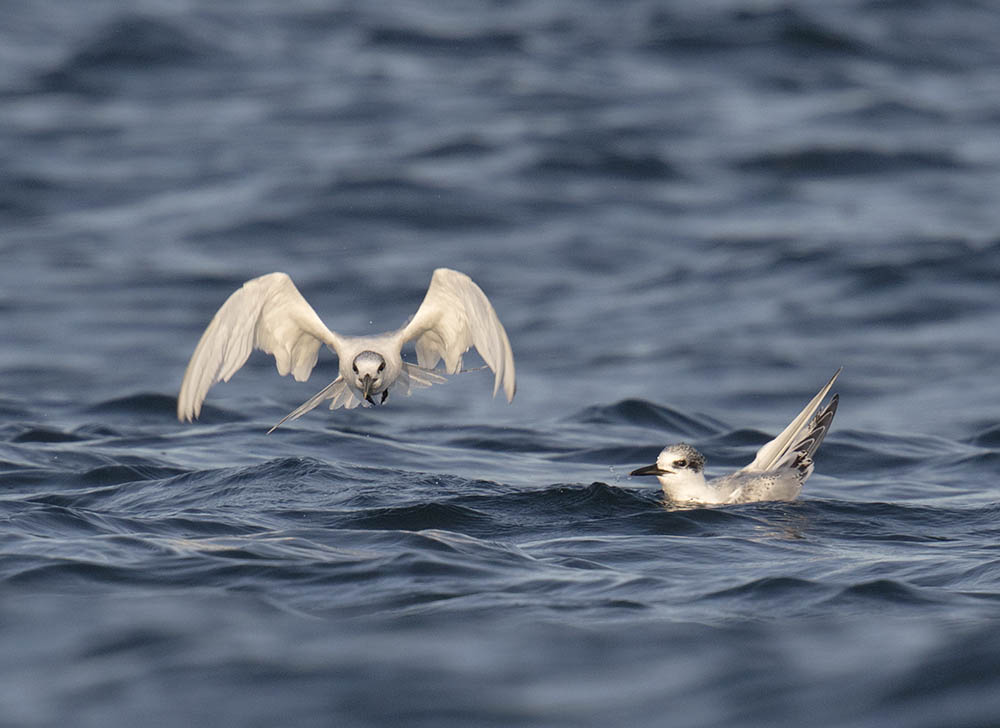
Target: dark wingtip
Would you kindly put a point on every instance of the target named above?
(818, 429)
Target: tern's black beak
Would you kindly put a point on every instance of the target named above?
(653, 469)
(366, 386)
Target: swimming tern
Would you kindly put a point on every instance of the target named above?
(776, 473)
(269, 313)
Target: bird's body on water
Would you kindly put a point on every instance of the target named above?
(777, 472)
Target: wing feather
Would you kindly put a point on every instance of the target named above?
(266, 313)
(454, 316)
(413, 377)
(792, 437)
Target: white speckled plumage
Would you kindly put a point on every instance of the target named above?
(777, 472)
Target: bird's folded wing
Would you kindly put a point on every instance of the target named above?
(266, 313)
(454, 316)
(771, 454)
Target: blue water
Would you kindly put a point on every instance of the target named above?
(687, 215)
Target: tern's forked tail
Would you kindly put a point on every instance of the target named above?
(337, 390)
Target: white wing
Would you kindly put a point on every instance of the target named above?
(266, 313)
(772, 453)
(413, 377)
(454, 316)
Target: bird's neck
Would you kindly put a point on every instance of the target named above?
(690, 487)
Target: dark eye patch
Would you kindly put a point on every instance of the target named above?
(381, 366)
(680, 463)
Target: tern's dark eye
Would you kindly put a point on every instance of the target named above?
(381, 366)
(355, 366)
(680, 463)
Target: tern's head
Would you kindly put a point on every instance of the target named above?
(369, 371)
(676, 464)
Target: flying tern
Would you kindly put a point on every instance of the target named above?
(269, 313)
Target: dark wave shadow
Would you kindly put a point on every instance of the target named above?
(820, 161)
(161, 406)
(647, 414)
(130, 44)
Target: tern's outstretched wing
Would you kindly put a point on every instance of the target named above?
(454, 316)
(266, 313)
(801, 437)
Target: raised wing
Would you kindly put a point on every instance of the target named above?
(803, 434)
(454, 316)
(266, 313)
(800, 455)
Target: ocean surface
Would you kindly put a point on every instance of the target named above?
(687, 214)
